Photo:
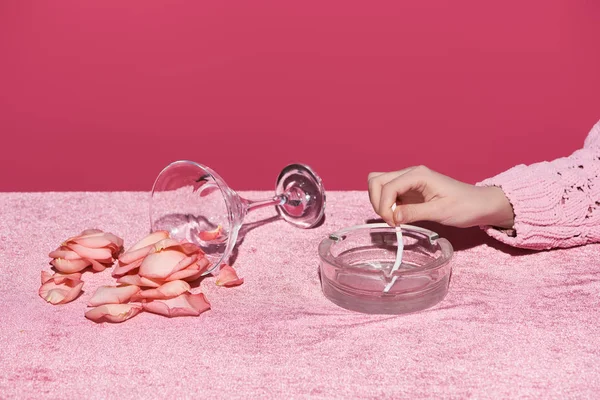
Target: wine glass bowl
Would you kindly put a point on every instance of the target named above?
(192, 202)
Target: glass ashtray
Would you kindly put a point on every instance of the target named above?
(356, 269)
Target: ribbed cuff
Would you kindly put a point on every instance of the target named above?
(555, 203)
(534, 193)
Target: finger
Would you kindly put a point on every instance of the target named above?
(376, 182)
(373, 175)
(375, 189)
(409, 213)
(390, 192)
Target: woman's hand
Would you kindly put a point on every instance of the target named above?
(425, 195)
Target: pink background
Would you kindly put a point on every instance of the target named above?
(100, 95)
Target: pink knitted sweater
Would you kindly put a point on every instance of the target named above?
(557, 203)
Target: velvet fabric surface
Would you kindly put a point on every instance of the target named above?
(515, 323)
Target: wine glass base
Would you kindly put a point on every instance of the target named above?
(303, 195)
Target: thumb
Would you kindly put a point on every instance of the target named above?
(408, 213)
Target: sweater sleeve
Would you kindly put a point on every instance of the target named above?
(556, 204)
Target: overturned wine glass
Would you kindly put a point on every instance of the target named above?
(192, 202)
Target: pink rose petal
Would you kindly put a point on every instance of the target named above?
(95, 241)
(122, 269)
(192, 272)
(113, 312)
(165, 244)
(97, 266)
(149, 240)
(208, 236)
(228, 277)
(183, 246)
(190, 248)
(132, 256)
(183, 264)
(59, 277)
(65, 253)
(113, 295)
(69, 266)
(160, 264)
(138, 281)
(192, 278)
(165, 291)
(203, 264)
(182, 305)
(186, 274)
(46, 276)
(91, 231)
(60, 293)
(187, 248)
(114, 238)
(86, 252)
(139, 253)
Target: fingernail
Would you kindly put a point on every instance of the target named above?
(398, 218)
(393, 216)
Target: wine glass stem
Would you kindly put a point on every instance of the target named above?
(273, 201)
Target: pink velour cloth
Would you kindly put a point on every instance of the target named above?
(515, 323)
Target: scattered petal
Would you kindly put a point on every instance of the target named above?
(132, 256)
(157, 263)
(113, 295)
(203, 264)
(122, 269)
(165, 244)
(94, 241)
(208, 236)
(46, 276)
(188, 274)
(192, 272)
(86, 252)
(69, 266)
(60, 290)
(91, 231)
(97, 266)
(59, 277)
(148, 241)
(161, 264)
(190, 248)
(228, 277)
(165, 291)
(115, 239)
(113, 312)
(64, 252)
(183, 305)
(138, 281)
(183, 264)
